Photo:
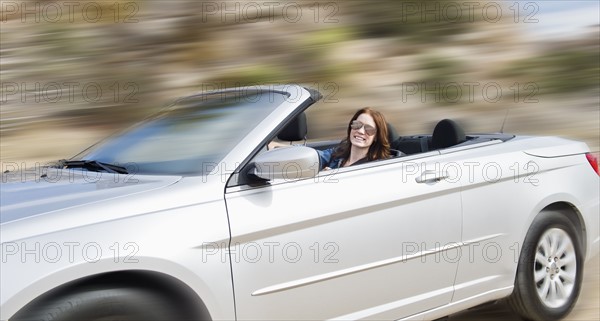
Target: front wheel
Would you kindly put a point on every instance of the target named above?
(550, 269)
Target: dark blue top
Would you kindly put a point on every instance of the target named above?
(326, 160)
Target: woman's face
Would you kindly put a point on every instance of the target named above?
(363, 131)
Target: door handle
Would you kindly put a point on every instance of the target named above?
(431, 177)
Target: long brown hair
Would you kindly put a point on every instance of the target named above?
(380, 149)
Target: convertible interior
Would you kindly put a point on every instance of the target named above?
(446, 134)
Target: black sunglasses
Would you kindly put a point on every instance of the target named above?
(357, 124)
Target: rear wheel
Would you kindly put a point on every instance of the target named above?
(550, 269)
(123, 304)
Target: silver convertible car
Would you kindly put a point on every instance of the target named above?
(190, 216)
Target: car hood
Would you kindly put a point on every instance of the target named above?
(26, 194)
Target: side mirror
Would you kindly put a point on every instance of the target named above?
(287, 163)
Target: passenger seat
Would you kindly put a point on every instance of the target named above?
(447, 133)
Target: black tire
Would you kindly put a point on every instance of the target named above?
(553, 238)
(123, 304)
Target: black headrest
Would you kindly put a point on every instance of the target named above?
(447, 133)
(295, 130)
(392, 133)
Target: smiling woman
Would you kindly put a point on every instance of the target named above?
(366, 140)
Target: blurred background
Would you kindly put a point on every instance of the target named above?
(73, 72)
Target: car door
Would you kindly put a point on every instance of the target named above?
(376, 240)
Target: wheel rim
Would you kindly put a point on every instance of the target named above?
(555, 268)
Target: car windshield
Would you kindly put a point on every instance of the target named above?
(196, 131)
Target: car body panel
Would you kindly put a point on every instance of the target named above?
(70, 188)
(161, 231)
(534, 183)
(357, 238)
